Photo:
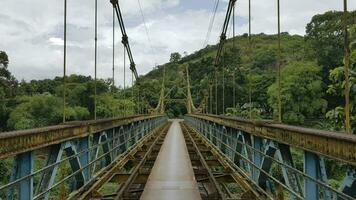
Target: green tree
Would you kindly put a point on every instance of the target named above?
(325, 34)
(4, 59)
(8, 88)
(108, 106)
(42, 110)
(301, 92)
(337, 86)
(264, 58)
(175, 57)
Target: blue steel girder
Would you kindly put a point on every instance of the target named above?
(314, 166)
(223, 139)
(82, 145)
(283, 154)
(349, 183)
(263, 152)
(102, 147)
(48, 176)
(23, 167)
(257, 157)
(99, 147)
(242, 150)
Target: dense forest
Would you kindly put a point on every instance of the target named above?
(312, 75)
(312, 82)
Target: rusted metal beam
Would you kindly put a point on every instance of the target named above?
(335, 145)
(237, 175)
(135, 172)
(123, 177)
(114, 172)
(16, 142)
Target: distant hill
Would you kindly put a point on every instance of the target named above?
(262, 59)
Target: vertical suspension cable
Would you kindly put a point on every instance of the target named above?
(211, 22)
(347, 70)
(124, 82)
(234, 89)
(113, 48)
(96, 55)
(223, 81)
(64, 60)
(233, 47)
(250, 53)
(223, 89)
(216, 91)
(279, 63)
(139, 100)
(132, 91)
(211, 97)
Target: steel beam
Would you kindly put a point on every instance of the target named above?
(349, 184)
(334, 145)
(25, 167)
(257, 157)
(16, 142)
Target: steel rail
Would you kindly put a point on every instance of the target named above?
(259, 168)
(204, 163)
(107, 174)
(38, 196)
(137, 168)
(230, 165)
(241, 173)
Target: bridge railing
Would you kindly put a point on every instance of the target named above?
(282, 160)
(52, 162)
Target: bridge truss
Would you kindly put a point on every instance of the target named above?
(258, 148)
(61, 159)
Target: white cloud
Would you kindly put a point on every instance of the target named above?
(31, 31)
(56, 41)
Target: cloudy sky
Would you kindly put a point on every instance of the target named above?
(31, 31)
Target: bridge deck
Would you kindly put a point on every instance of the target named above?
(172, 175)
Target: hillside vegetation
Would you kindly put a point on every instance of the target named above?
(312, 83)
(312, 75)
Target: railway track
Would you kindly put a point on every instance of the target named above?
(216, 177)
(127, 179)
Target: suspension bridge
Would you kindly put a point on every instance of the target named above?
(203, 156)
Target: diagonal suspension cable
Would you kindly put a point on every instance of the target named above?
(125, 39)
(224, 30)
(211, 23)
(220, 48)
(149, 41)
(146, 28)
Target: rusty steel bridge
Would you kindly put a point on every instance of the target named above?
(128, 158)
(203, 156)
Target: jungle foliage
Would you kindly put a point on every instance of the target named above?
(312, 82)
(312, 78)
